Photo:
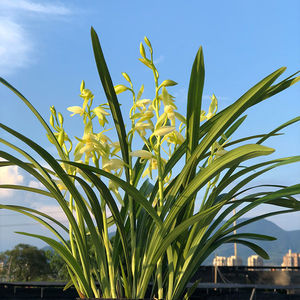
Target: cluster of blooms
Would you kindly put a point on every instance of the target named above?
(153, 120)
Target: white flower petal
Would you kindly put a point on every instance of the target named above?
(141, 153)
(164, 130)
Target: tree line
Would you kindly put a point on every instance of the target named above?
(28, 263)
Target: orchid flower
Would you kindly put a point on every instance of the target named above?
(101, 114)
(76, 110)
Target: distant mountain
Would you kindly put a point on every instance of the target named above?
(276, 249)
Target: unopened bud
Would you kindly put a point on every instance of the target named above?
(60, 118)
(120, 88)
(125, 75)
(142, 50)
(52, 109)
(52, 120)
(168, 82)
(147, 42)
(82, 86)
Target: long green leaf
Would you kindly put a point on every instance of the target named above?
(132, 191)
(32, 214)
(38, 116)
(220, 124)
(81, 239)
(106, 195)
(290, 122)
(111, 97)
(68, 258)
(26, 188)
(161, 242)
(194, 103)
(230, 158)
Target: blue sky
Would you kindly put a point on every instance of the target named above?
(45, 52)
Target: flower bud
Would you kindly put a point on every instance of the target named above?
(147, 42)
(168, 82)
(52, 109)
(52, 120)
(60, 118)
(125, 75)
(142, 50)
(120, 88)
(82, 86)
(61, 137)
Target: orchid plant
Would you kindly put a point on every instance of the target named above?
(148, 195)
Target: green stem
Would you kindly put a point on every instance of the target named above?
(133, 244)
(159, 279)
(73, 245)
(205, 195)
(107, 246)
(132, 219)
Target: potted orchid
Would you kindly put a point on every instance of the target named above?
(144, 185)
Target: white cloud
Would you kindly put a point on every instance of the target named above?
(16, 43)
(15, 46)
(34, 7)
(54, 211)
(9, 175)
(36, 184)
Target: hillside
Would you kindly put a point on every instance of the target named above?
(276, 249)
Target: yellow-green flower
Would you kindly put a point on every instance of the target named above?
(76, 110)
(147, 115)
(89, 144)
(141, 104)
(202, 115)
(115, 189)
(86, 94)
(89, 140)
(169, 110)
(101, 114)
(164, 130)
(113, 165)
(217, 149)
(60, 185)
(152, 166)
(144, 154)
(213, 107)
(167, 98)
(116, 148)
(174, 137)
(212, 110)
(141, 127)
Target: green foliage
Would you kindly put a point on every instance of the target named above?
(162, 236)
(25, 263)
(58, 268)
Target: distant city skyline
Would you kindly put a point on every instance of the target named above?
(290, 259)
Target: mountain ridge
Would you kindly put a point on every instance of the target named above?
(276, 249)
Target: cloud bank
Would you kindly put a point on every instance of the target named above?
(34, 7)
(16, 42)
(15, 46)
(9, 175)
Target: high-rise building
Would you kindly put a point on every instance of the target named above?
(234, 261)
(255, 261)
(220, 261)
(291, 259)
